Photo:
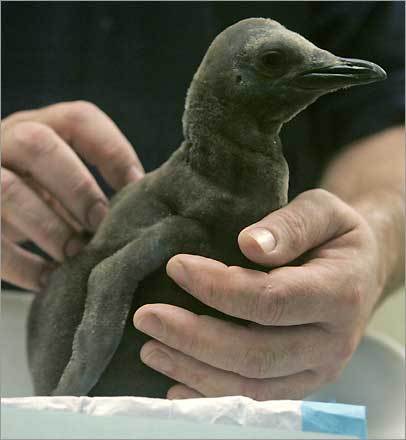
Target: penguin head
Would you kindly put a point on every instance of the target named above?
(261, 67)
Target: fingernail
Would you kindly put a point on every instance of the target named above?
(158, 360)
(264, 238)
(96, 214)
(73, 247)
(151, 325)
(177, 271)
(134, 174)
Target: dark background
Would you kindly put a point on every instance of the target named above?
(136, 59)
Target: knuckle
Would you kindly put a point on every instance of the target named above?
(234, 276)
(82, 186)
(207, 289)
(354, 299)
(204, 287)
(10, 185)
(305, 349)
(271, 304)
(340, 212)
(36, 139)
(319, 194)
(335, 210)
(215, 289)
(362, 235)
(255, 300)
(256, 362)
(14, 118)
(295, 229)
(197, 378)
(344, 350)
(234, 272)
(191, 344)
(114, 155)
(256, 312)
(54, 230)
(79, 111)
(351, 299)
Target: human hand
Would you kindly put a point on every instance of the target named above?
(306, 321)
(48, 194)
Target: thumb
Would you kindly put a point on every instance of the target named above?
(308, 221)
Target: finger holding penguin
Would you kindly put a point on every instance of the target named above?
(285, 296)
(198, 379)
(308, 221)
(251, 351)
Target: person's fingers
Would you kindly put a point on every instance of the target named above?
(180, 391)
(96, 138)
(308, 221)
(199, 377)
(22, 115)
(35, 149)
(253, 351)
(55, 205)
(11, 232)
(285, 296)
(23, 209)
(22, 268)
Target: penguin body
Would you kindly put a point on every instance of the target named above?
(228, 173)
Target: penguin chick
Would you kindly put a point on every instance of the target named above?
(228, 173)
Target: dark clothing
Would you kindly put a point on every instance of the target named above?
(135, 60)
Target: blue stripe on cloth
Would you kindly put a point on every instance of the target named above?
(334, 418)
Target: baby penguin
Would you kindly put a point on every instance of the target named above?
(228, 173)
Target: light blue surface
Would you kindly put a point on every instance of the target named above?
(334, 418)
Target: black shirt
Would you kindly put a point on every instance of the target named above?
(135, 61)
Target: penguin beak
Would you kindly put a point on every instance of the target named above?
(346, 72)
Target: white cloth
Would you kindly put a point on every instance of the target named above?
(234, 410)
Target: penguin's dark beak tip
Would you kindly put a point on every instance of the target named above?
(362, 69)
(346, 72)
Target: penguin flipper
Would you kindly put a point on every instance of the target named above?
(110, 291)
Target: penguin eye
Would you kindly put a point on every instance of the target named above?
(272, 59)
(272, 62)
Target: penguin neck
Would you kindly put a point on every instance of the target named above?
(227, 145)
